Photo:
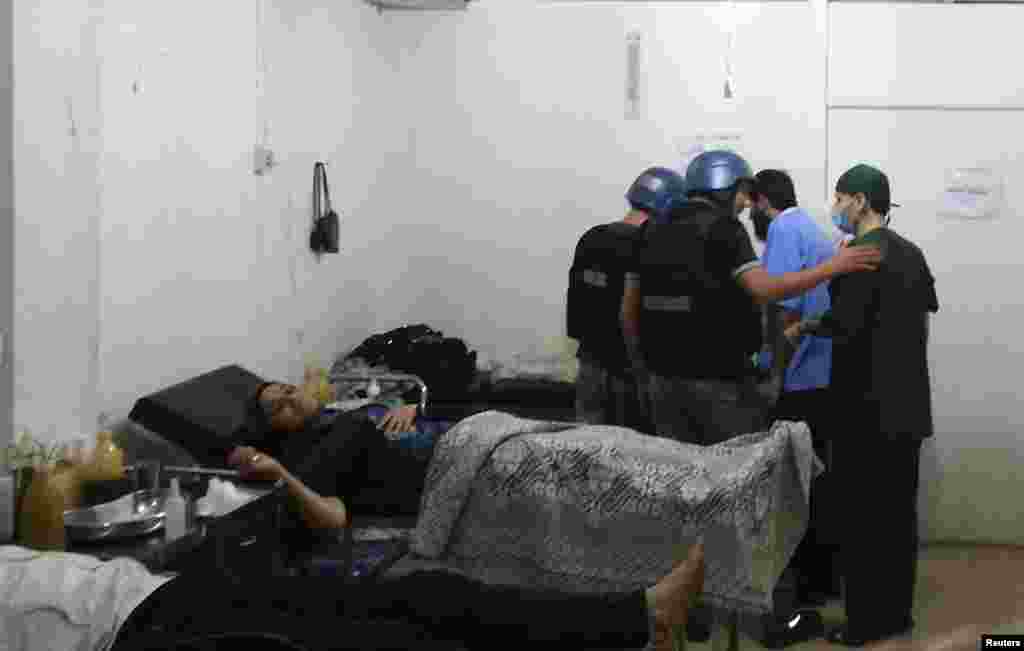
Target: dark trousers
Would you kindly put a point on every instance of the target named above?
(814, 559)
(322, 613)
(879, 478)
(704, 411)
(610, 396)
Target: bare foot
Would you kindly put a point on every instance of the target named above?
(670, 599)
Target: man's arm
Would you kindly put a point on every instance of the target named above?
(766, 288)
(738, 252)
(630, 317)
(849, 316)
(782, 350)
(317, 511)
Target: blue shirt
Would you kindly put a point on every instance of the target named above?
(795, 243)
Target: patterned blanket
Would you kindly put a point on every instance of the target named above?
(592, 508)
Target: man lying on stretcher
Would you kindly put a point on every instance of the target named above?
(345, 456)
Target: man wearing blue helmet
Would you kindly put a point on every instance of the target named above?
(606, 390)
(688, 318)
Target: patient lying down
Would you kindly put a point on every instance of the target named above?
(332, 465)
(119, 605)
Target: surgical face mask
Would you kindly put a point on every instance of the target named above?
(761, 223)
(841, 220)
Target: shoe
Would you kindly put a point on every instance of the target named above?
(842, 635)
(799, 626)
(811, 597)
(698, 629)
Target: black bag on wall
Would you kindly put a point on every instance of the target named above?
(324, 237)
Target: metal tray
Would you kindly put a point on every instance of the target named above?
(135, 514)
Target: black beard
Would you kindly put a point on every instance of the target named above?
(761, 222)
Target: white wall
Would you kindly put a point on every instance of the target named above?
(56, 188)
(147, 251)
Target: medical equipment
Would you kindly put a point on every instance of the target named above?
(175, 509)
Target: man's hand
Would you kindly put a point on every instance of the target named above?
(793, 333)
(851, 259)
(253, 464)
(400, 419)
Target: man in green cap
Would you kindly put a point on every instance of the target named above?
(882, 404)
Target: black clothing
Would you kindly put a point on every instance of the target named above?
(696, 321)
(813, 558)
(881, 404)
(345, 455)
(879, 327)
(878, 556)
(594, 300)
(407, 612)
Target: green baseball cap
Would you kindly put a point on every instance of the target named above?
(872, 182)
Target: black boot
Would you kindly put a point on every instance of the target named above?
(853, 638)
(698, 624)
(799, 626)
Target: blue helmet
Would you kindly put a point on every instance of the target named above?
(717, 170)
(654, 190)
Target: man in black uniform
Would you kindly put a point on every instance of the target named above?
(688, 318)
(606, 390)
(881, 397)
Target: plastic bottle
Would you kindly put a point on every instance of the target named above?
(67, 475)
(107, 459)
(175, 512)
(325, 393)
(373, 390)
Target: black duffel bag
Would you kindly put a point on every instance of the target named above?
(445, 364)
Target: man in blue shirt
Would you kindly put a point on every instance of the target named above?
(796, 242)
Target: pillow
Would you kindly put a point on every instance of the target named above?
(205, 415)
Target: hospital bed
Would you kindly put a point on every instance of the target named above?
(199, 418)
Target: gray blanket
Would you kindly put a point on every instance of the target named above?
(592, 508)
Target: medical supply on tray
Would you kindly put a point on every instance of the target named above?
(176, 510)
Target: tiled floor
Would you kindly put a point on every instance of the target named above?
(957, 586)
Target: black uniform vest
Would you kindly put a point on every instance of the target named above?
(695, 321)
(594, 300)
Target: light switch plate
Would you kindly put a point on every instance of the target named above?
(262, 159)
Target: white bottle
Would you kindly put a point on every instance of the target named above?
(373, 390)
(174, 509)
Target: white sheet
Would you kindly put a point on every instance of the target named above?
(58, 601)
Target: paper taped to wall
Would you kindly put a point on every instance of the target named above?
(729, 139)
(972, 193)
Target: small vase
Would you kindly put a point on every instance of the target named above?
(41, 520)
(22, 480)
